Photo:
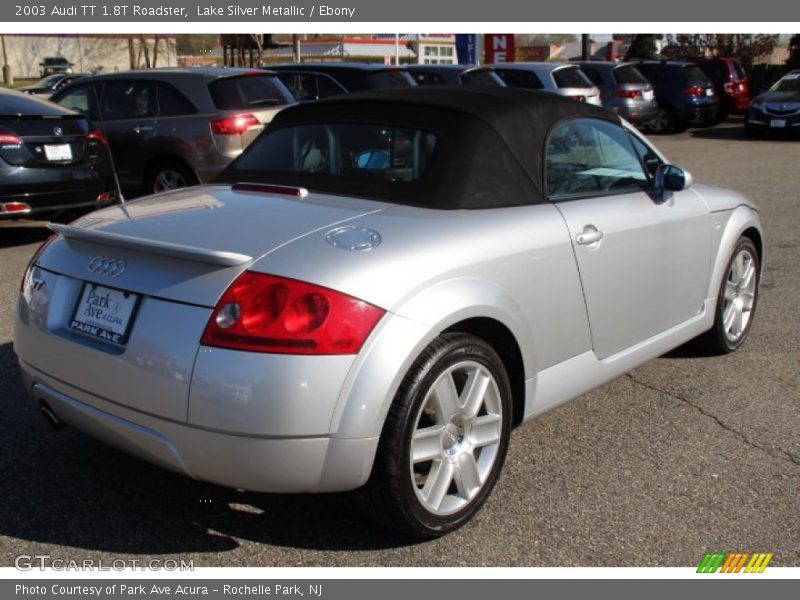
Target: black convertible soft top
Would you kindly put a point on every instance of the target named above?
(490, 149)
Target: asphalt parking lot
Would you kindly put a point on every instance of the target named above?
(686, 454)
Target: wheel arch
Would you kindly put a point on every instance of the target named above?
(743, 222)
(503, 342)
(165, 156)
(468, 305)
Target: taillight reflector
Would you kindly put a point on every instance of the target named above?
(9, 139)
(629, 94)
(694, 90)
(95, 135)
(265, 313)
(234, 125)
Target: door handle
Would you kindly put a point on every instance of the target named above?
(141, 128)
(589, 235)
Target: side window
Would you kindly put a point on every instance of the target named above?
(327, 87)
(591, 157)
(518, 78)
(593, 75)
(647, 155)
(125, 99)
(81, 98)
(172, 103)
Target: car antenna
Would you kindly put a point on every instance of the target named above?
(117, 186)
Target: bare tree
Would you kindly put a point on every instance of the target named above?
(745, 47)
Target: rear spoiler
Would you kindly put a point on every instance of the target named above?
(210, 257)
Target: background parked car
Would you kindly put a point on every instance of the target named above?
(454, 75)
(623, 89)
(315, 81)
(169, 128)
(560, 78)
(730, 84)
(49, 85)
(55, 64)
(51, 159)
(777, 109)
(684, 93)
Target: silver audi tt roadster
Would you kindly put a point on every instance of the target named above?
(377, 290)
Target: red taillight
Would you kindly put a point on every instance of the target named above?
(34, 259)
(95, 135)
(9, 139)
(14, 207)
(579, 98)
(103, 198)
(630, 94)
(265, 313)
(235, 125)
(694, 90)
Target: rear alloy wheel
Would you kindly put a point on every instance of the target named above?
(738, 296)
(663, 122)
(445, 439)
(169, 175)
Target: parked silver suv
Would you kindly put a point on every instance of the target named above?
(623, 89)
(170, 128)
(560, 78)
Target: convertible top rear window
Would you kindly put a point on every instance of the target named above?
(347, 151)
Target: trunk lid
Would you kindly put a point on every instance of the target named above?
(189, 245)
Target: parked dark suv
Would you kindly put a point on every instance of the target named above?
(455, 75)
(315, 81)
(51, 160)
(684, 93)
(730, 84)
(169, 128)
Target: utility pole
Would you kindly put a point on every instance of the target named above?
(8, 76)
(295, 48)
(584, 46)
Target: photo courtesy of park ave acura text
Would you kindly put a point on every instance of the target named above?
(395, 299)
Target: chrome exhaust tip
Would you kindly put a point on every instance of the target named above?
(50, 416)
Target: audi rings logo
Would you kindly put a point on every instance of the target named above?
(110, 267)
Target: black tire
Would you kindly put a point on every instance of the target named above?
(394, 494)
(663, 122)
(168, 170)
(718, 339)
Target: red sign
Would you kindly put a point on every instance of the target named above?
(499, 47)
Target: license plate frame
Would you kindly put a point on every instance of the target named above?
(97, 301)
(58, 152)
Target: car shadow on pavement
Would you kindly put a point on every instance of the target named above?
(62, 488)
(20, 235)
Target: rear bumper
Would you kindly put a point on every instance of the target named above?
(262, 464)
(637, 114)
(694, 114)
(54, 196)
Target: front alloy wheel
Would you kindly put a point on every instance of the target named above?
(444, 440)
(738, 296)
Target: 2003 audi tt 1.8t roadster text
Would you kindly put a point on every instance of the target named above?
(378, 289)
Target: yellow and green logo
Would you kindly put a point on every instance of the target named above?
(734, 562)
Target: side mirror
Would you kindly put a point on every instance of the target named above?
(672, 178)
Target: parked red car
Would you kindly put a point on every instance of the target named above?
(730, 84)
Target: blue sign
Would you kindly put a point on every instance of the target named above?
(466, 48)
